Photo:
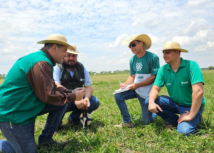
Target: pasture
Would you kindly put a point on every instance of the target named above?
(103, 137)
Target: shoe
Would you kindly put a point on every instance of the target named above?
(128, 125)
(171, 127)
(73, 123)
(51, 144)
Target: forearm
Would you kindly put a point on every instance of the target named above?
(88, 92)
(153, 94)
(130, 80)
(196, 103)
(146, 82)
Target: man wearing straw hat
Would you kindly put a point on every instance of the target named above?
(29, 91)
(72, 75)
(184, 82)
(143, 69)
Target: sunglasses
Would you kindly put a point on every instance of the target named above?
(133, 44)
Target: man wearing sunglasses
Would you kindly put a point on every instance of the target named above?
(143, 69)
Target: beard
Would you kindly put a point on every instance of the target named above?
(67, 65)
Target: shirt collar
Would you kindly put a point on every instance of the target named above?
(181, 65)
(49, 55)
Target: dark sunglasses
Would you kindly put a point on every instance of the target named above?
(133, 44)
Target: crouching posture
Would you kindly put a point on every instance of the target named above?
(184, 82)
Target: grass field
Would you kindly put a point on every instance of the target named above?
(103, 137)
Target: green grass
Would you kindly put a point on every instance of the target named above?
(103, 137)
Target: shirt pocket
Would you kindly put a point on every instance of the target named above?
(184, 82)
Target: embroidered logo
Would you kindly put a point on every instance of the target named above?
(140, 77)
(155, 69)
(139, 66)
(184, 82)
(168, 84)
(82, 79)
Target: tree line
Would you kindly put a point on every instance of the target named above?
(2, 76)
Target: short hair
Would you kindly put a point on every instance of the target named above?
(49, 45)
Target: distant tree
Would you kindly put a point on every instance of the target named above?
(210, 67)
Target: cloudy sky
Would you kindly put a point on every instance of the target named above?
(97, 28)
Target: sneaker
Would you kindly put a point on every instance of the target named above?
(51, 144)
(73, 123)
(128, 125)
(171, 127)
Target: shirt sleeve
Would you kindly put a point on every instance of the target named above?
(195, 73)
(40, 79)
(56, 74)
(88, 81)
(159, 81)
(132, 72)
(155, 65)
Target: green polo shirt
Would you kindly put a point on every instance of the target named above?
(179, 84)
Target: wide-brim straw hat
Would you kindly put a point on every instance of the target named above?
(73, 51)
(56, 39)
(173, 45)
(143, 37)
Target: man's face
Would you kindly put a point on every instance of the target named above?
(170, 55)
(60, 54)
(70, 59)
(135, 46)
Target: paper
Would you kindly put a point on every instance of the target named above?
(122, 90)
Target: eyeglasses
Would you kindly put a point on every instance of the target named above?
(133, 44)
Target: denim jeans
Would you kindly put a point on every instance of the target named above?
(170, 111)
(74, 116)
(20, 138)
(120, 98)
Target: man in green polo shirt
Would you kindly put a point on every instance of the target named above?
(184, 82)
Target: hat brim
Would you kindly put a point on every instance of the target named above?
(72, 52)
(181, 49)
(144, 38)
(56, 42)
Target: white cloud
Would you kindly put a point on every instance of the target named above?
(119, 40)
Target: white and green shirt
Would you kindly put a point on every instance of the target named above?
(143, 68)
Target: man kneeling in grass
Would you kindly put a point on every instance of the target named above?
(143, 69)
(184, 82)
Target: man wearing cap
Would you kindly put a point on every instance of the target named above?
(72, 75)
(29, 91)
(184, 82)
(143, 69)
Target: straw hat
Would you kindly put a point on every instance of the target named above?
(73, 51)
(143, 37)
(173, 45)
(56, 39)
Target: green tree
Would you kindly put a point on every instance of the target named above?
(210, 67)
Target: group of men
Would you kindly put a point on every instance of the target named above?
(36, 85)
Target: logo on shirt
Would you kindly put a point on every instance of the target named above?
(184, 82)
(168, 84)
(140, 77)
(155, 69)
(139, 66)
(82, 79)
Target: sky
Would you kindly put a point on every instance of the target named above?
(98, 27)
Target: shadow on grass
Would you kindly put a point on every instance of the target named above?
(91, 128)
(72, 145)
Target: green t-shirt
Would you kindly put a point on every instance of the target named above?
(143, 68)
(179, 84)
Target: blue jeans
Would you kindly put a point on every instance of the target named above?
(170, 111)
(130, 94)
(20, 138)
(74, 116)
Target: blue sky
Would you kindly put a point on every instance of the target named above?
(97, 28)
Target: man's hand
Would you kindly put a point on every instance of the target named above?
(79, 89)
(133, 87)
(87, 102)
(185, 117)
(81, 104)
(79, 94)
(153, 107)
(123, 86)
